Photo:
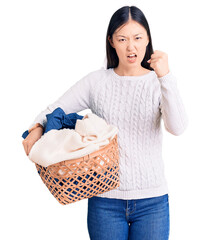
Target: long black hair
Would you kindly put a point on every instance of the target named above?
(120, 17)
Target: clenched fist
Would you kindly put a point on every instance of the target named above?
(159, 62)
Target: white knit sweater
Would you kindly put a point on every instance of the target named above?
(135, 104)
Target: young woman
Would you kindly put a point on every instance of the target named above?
(134, 92)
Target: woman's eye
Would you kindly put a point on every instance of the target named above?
(121, 40)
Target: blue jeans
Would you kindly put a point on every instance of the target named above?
(136, 219)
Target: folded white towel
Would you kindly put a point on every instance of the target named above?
(90, 134)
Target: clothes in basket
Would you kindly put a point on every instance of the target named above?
(90, 134)
(86, 178)
(58, 119)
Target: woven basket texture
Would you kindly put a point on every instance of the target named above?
(76, 179)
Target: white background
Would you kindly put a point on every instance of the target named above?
(46, 47)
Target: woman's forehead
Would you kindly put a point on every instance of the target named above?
(131, 28)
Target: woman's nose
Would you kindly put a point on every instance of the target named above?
(130, 45)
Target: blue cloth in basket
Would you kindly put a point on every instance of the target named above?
(58, 119)
(85, 188)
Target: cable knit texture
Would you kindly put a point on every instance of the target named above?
(136, 105)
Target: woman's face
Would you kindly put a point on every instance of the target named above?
(130, 38)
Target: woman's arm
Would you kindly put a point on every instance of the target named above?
(171, 105)
(75, 99)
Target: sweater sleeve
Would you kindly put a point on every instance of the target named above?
(171, 106)
(75, 99)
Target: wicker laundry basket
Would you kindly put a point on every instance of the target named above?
(73, 180)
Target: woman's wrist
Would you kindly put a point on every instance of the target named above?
(37, 125)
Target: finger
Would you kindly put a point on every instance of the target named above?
(25, 148)
(157, 54)
(154, 60)
(29, 149)
(153, 57)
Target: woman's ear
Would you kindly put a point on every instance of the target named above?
(111, 42)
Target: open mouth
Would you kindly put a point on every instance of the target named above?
(132, 56)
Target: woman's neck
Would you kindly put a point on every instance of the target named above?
(130, 72)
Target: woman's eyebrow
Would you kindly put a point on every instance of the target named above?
(125, 36)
